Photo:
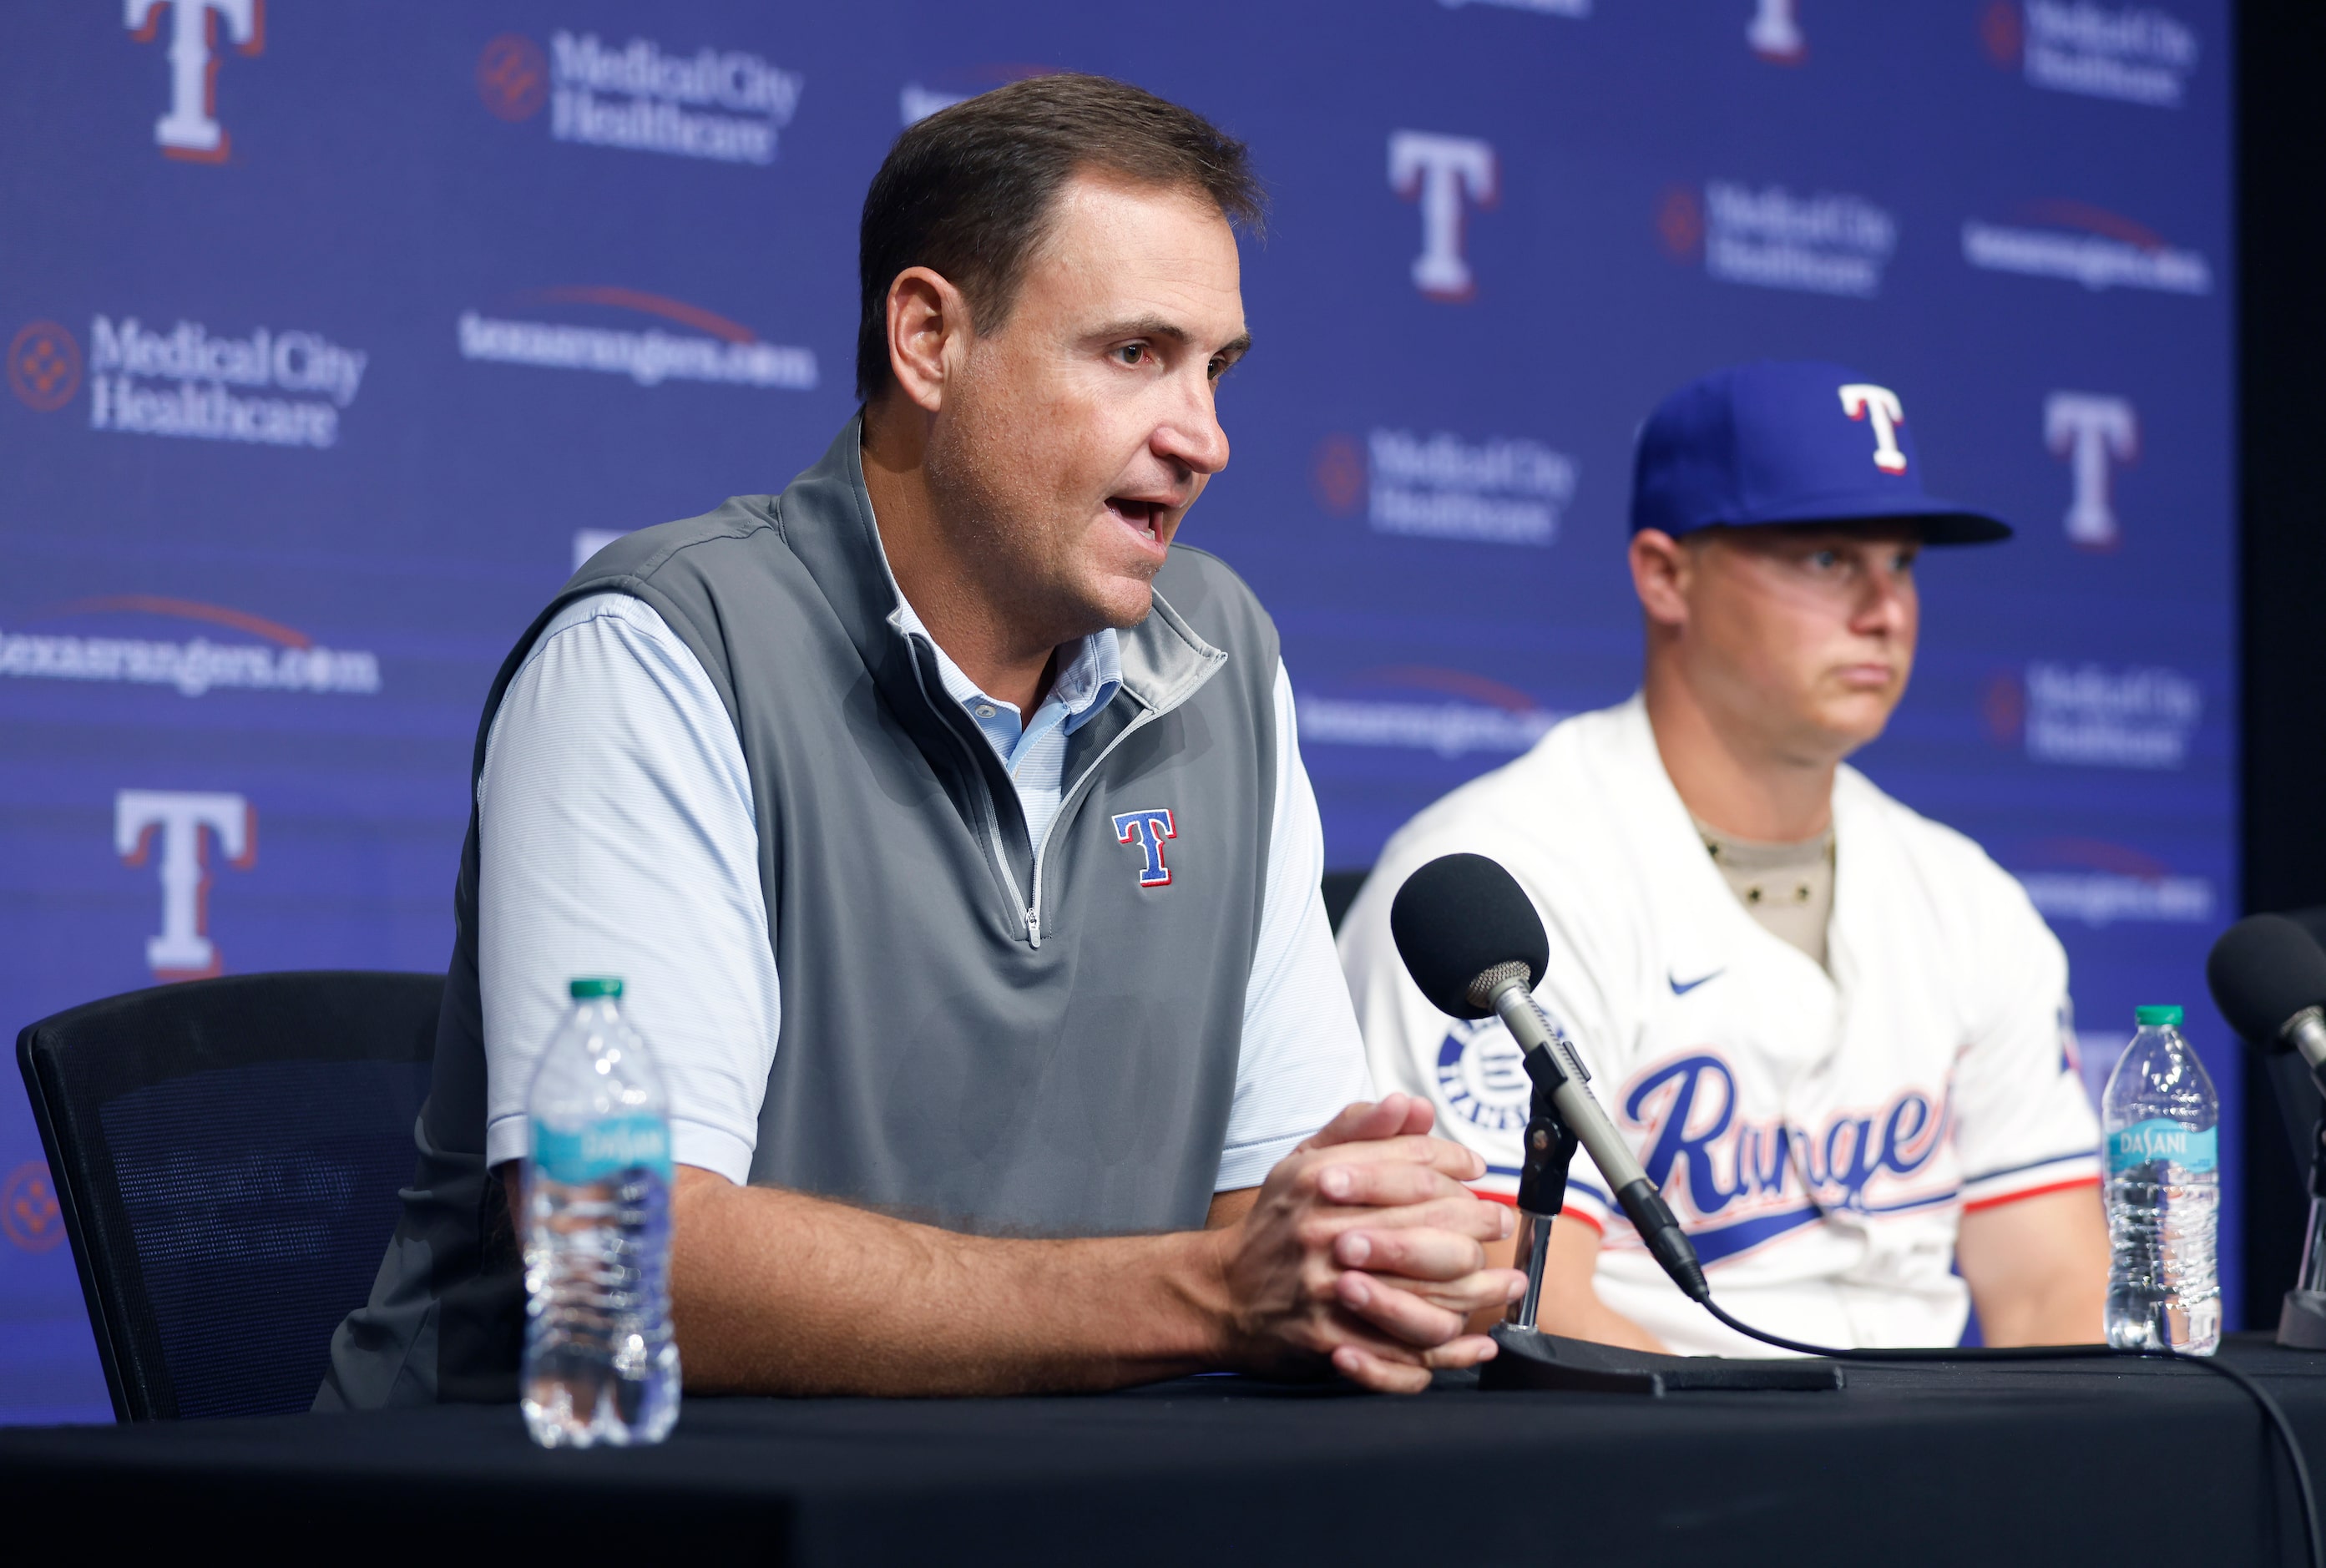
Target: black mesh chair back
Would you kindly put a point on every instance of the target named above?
(228, 1155)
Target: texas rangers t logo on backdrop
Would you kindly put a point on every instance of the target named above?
(1148, 830)
(191, 129)
(183, 950)
(1864, 400)
(2088, 429)
(1775, 32)
(1440, 171)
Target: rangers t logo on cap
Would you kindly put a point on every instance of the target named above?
(1865, 400)
(1758, 444)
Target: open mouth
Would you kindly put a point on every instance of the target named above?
(1144, 517)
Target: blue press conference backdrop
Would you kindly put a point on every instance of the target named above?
(336, 333)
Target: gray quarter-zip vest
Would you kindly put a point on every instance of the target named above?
(976, 1032)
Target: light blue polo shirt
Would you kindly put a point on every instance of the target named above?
(1090, 673)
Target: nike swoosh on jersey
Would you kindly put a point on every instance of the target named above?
(1682, 987)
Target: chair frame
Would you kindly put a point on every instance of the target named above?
(136, 1376)
(129, 1382)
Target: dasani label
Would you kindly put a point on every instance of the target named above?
(2158, 1138)
(597, 1150)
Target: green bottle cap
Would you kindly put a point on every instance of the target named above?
(608, 985)
(2146, 1017)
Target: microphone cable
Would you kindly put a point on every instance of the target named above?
(2315, 1542)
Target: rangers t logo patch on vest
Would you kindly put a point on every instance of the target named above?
(1148, 830)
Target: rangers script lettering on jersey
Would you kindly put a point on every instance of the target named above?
(1820, 1135)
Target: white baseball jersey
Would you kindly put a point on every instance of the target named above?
(1820, 1136)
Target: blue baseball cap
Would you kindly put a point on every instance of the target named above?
(1788, 441)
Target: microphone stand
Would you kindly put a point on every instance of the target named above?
(1550, 1145)
(1529, 1358)
(2302, 1321)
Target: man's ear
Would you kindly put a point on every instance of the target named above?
(928, 321)
(1661, 568)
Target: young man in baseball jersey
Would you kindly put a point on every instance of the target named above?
(1837, 1033)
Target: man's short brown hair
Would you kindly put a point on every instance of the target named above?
(968, 191)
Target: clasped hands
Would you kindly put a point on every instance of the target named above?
(1365, 1250)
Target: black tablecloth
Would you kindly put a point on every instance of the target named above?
(2060, 1463)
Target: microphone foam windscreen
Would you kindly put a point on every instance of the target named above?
(2263, 971)
(1458, 917)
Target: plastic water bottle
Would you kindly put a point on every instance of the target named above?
(599, 1362)
(2161, 1116)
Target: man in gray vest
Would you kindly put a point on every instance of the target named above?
(948, 826)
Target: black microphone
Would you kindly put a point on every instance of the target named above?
(1471, 939)
(2268, 978)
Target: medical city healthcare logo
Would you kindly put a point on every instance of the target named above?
(512, 77)
(2095, 716)
(724, 105)
(716, 350)
(2134, 54)
(1502, 490)
(186, 382)
(30, 1214)
(44, 367)
(2077, 242)
(1830, 243)
(189, 131)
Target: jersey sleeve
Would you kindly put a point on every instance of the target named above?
(2023, 1123)
(617, 837)
(1300, 1060)
(1471, 1071)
